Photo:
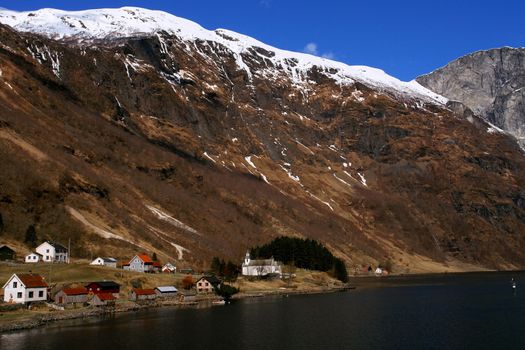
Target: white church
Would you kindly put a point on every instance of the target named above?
(260, 267)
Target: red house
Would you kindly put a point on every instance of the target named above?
(104, 287)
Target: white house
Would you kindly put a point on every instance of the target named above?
(105, 261)
(169, 268)
(33, 258)
(261, 267)
(143, 263)
(53, 252)
(25, 288)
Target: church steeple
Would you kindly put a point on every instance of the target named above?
(247, 258)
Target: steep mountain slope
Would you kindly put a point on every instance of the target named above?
(128, 129)
(491, 83)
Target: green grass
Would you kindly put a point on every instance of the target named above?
(58, 275)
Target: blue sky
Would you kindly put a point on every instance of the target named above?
(404, 38)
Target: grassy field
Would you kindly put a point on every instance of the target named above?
(77, 274)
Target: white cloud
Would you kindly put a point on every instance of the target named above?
(265, 3)
(311, 48)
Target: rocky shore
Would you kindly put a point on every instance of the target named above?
(40, 319)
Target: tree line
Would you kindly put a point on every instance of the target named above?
(302, 253)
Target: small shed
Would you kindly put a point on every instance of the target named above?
(33, 258)
(72, 296)
(142, 294)
(103, 299)
(166, 291)
(105, 261)
(104, 287)
(7, 253)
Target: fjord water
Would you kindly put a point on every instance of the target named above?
(471, 311)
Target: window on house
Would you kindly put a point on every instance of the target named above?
(41, 294)
(19, 295)
(47, 250)
(15, 284)
(31, 295)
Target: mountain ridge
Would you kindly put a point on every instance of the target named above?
(57, 24)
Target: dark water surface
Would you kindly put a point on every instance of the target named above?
(473, 311)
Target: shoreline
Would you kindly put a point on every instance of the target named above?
(357, 281)
(56, 316)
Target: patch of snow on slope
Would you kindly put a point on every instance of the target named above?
(133, 21)
(494, 129)
(320, 200)
(363, 180)
(341, 180)
(210, 158)
(290, 175)
(171, 220)
(180, 249)
(99, 231)
(248, 160)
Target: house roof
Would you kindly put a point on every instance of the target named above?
(212, 279)
(107, 259)
(59, 248)
(75, 291)
(145, 258)
(35, 253)
(261, 262)
(106, 296)
(6, 249)
(167, 289)
(157, 264)
(32, 281)
(139, 291)
(106, 284)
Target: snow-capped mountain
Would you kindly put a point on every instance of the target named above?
(132, 22)
(133, 130)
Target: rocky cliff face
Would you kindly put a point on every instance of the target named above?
(491, 83)
(191, 143)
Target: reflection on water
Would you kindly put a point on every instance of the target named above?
(475, 311)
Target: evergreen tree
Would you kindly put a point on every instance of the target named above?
(231, 271)
(215, 266)
(154, 257)
(302, 253)
(226, 291)
(31, 238)
(340, 271)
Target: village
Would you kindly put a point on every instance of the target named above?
(48, 285)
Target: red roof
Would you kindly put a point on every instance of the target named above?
(139, 291)
(106, 296)
(32, 281)
(157, 264)
(75, 291)
(145, 258)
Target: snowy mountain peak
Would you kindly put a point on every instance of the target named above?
(133, 21)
